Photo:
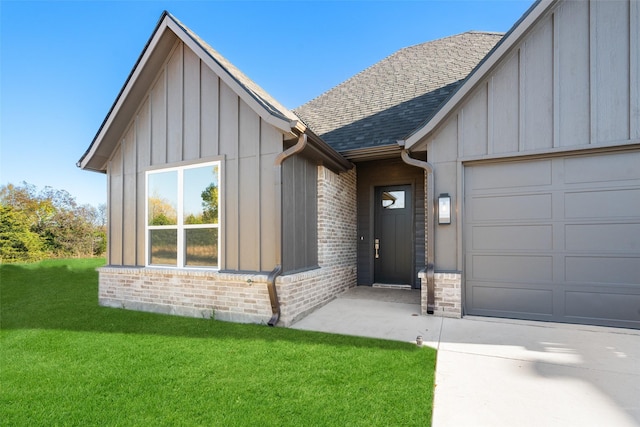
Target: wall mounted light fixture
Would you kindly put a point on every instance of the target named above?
(444, 209)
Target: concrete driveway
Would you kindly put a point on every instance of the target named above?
(498, 372)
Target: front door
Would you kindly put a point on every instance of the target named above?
(393, 239)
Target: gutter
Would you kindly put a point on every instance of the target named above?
(429, 269)
(271, 279)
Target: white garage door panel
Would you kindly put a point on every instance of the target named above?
(616, 167)
(602, 203)
(531, 174)
(554, 239)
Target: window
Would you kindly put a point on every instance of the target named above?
(393, 199)
(183, 216)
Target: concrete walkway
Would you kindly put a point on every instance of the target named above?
(497, 372)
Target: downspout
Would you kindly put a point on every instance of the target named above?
(430, 226)
(271, 279)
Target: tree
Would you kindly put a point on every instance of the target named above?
(210, 204)
(48, 222)
(17, 241)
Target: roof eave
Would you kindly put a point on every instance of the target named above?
(282, 121)
(372, 153)
(416, 141)
(154, 53)
(89, 159)
(325, 154)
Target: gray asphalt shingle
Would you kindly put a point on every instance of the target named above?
(390, 99)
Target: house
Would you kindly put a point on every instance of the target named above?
(498, 174)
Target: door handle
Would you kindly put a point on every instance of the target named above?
(376, 245)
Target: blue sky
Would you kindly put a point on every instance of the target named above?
(62, 63)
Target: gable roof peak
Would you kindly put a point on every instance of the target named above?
(167, 31)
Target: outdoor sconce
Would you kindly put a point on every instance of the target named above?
(444, 209)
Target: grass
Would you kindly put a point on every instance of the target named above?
(66, 361)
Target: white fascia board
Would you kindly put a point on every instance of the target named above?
(511, 39)
(281, 124)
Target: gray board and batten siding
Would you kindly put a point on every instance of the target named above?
(190, 115)
(384, 173)
(299, 214)
(565, 96)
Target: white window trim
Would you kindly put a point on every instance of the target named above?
(180, 226)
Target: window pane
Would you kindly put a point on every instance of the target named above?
(163, 198)
(164, 247)
(202, 247)
(393, 199)
(201, 195)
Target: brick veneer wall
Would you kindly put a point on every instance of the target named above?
(337, 238)
(448, 294)
(196, 293)
(244, 297)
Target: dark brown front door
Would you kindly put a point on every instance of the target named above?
(393, 242)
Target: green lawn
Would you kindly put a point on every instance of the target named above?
(66, 361)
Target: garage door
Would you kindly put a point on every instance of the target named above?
(554, 239)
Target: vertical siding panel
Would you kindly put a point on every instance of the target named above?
(538, 88)
(475, 123)
(230, 224)
(522, 72)
(506, 107)
(555, 80)
(268, 212)
(444, 146)
(191, 105)
(129, 198)
(143, 149)
(311, 216)
(249, 209)
(288, 214)
(249, 131)
(593, 100)
(634, 69)
(115, 208)
(141, 220)
(159, 121)
(270, 140)
(143, 135)
(490, 118)
(249, 195)
(612, 71)
(228, 123)
(572, 22)
(175, 103)
(209, 101)
(300, 187)
(268, 237)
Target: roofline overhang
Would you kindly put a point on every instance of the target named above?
(416, 141)
(372, 153)
(316, 148)
(161, 42)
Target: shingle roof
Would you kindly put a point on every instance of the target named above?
(393, 97)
